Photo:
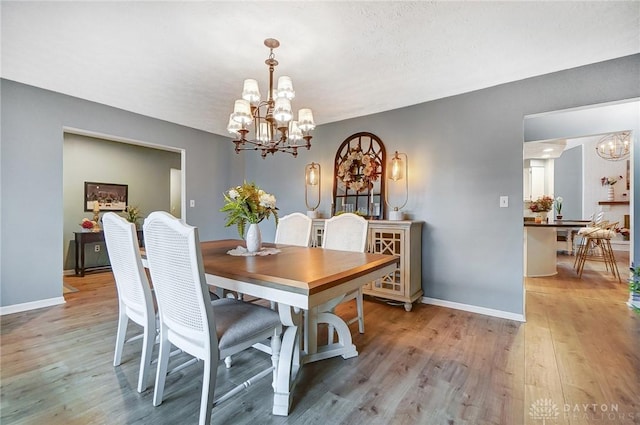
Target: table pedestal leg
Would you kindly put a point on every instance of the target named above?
(344, 347)
(288, 363)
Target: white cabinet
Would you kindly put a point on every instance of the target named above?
(401, 238)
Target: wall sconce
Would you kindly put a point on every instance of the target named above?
(312, 188)
(399, 183)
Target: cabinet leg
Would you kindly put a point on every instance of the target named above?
(408, 306)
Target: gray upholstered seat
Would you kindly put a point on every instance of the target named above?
(238, 322)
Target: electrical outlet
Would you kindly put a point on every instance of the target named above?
(96, 248)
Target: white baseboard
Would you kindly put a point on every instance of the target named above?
(620, 245)
(17, 308)
(474, 309)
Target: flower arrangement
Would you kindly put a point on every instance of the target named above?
(87, 224)
(543, 203)
(610, 181)
(132, 214)
(248, 204)
(559, 205)
(358, 171)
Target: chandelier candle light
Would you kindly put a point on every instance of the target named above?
(273, 125)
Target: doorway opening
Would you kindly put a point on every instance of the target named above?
(578, 130)
(146, 169)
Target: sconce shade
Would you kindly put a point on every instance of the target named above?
(312, 185)
(397, 193)
(312, 176)
(396, 170)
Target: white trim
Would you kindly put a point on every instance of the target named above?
(581, 108)
(17, 308)
(112, 138)
(474, 309)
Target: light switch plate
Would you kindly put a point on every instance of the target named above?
(192, 203)
(504, 202)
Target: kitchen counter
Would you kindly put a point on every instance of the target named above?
(540, 246)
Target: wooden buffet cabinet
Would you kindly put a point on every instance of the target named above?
(401, 238)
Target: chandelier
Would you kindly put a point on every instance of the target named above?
(274, 129)
(614, 147)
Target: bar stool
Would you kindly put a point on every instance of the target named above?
(596, 246)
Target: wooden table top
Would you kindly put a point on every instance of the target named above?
(294, 269)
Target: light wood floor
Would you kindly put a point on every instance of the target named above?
(579, 350)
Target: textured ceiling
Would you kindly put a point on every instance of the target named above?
(184, 62)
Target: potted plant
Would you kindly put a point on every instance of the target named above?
(558, 203)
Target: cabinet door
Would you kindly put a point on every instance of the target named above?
(317, 230)
(390, 242)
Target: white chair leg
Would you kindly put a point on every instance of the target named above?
(161, 373)
(123, 320)
(148, 342)
(208, 389)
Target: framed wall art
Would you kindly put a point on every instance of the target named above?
(109, 196)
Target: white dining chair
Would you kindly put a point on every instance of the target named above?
(294, 229)
(347, 232)
(208, 331)
(135, 299)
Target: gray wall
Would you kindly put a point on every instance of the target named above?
(567, 182)
(464, 152)
(31, 169)
(144, 170)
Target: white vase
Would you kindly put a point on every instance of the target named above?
(254, 238)
(610, 194)
(544, 216)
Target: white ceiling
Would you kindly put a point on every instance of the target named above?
(185, 62)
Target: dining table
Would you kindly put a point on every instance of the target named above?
(540, 245)
(300, 280)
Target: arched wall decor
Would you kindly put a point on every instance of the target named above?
(358, 179)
